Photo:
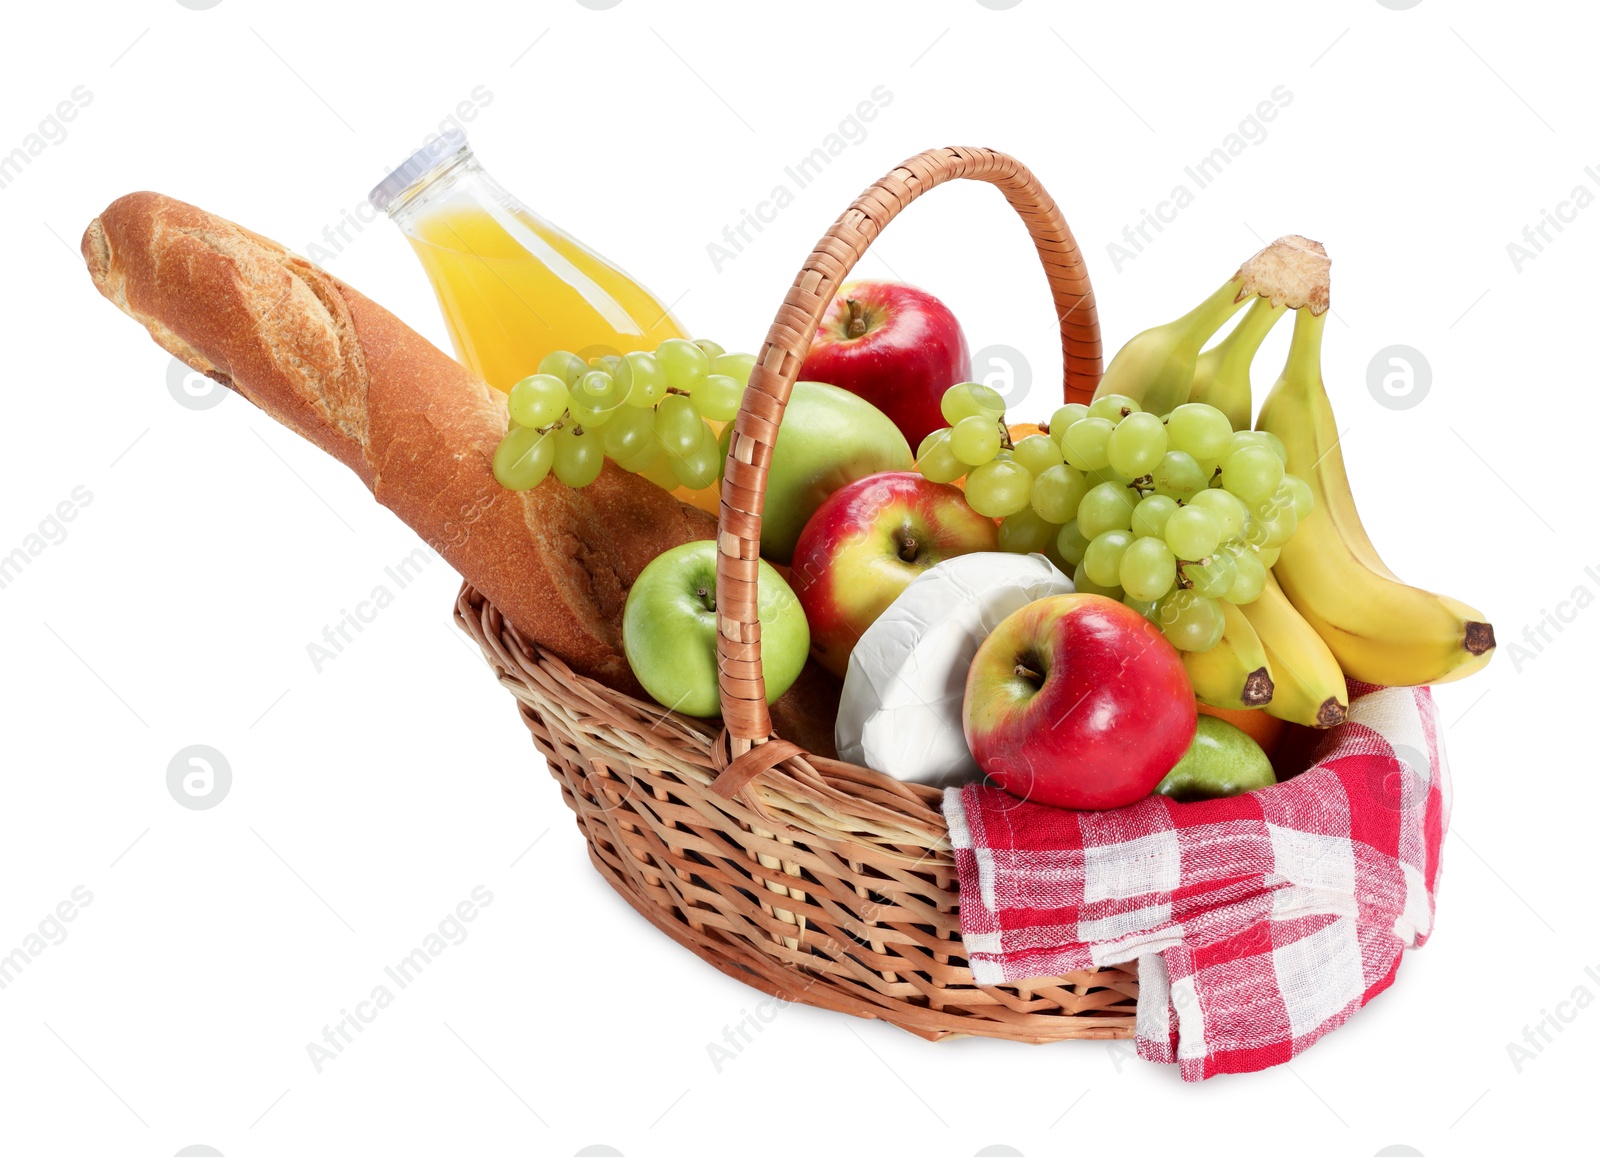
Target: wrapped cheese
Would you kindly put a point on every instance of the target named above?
(900, 712)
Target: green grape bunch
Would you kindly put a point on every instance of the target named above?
(649, 412)
(1172, 514)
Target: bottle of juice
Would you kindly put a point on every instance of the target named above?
(512, 286)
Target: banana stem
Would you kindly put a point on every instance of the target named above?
(1305, 346)
(1202, 322)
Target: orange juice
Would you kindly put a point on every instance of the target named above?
(512, 286)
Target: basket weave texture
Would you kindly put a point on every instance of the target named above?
(810, 879)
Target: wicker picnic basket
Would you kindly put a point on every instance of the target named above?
(808, 878)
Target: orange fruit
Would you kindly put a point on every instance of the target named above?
(1257, 724)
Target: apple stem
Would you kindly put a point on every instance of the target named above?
(908, 547)
(857, 323)
(1023, 671)
(705, 596)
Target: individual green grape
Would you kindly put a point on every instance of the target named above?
(1106, 507)
(1249, 576)
(641, 378)
(1225, 508)
(629, 432)
(1252, 473)
(523, 458)
(1263, 438)
(1057, 492)
(1085, 585)
(971, 400)
(537, 400)
(1113, 407)
(935, 462)
(579, 456)
(1145, 607)
(597, 391)
(1280, 526)
(593, 419)
(563, 364)
(649, 454)
(1064, 417)
(1299, 495)
(1150, 516)
(1036, 453)
(932, 436)
(1211, 578)
(1026, 533)
(975, 440)
(1178, 476)
(1193, 533)
(1148, 569)
(717, 396)
(1136, 445)
(1070, 544)
(1199, 430)
(699, 467)
(1190, 622)
(684, 363)
(678, 425)
(1083, 445)
(998, 489)
(1102, 559)
(663, 471)
(1268, 556)
(735, 366)
(1211, 470)
(711, 348)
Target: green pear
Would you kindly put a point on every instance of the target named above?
(828, 439)
(1221, 761)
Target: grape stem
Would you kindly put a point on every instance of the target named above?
(676, 390)
(1005, 434)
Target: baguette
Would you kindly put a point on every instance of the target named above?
(415, 426)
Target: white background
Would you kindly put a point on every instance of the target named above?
(370, 798)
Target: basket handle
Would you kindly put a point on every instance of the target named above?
(755, 429)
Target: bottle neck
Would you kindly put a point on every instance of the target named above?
(459, 174)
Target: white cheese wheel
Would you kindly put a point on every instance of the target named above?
(901, 708)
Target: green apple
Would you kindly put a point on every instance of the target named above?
(828, 439)
(669, 630)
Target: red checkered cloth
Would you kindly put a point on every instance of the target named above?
(1258, 922)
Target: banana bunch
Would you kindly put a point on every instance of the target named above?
(1329, 607)
(1380, 630)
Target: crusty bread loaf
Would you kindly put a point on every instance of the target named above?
(418, 429)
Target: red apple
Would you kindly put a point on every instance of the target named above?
(1077, 701)
(895, 345)
(865, 544)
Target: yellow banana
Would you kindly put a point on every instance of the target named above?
(1156, 367)
(1235, 673)
(1381, 630)
(1222, 373)
(1307, 684)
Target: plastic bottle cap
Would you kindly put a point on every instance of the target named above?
(439, 152)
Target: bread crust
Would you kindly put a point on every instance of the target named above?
(418, 428)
